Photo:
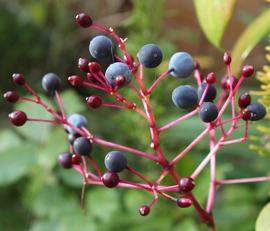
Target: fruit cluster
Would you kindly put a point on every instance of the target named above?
(125, 72)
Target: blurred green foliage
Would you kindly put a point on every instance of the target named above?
(37, 195)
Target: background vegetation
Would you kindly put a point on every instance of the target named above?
(40, 36)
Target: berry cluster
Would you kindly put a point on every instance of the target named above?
(125, 72)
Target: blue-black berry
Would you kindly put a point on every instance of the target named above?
(208, 112)
(51, 83)
(185, 97)
(115, 161)
(150, 55)
(100, 47)
(82, 146)
(77, 121)
(181, 64)
(65, 160)
(211, 92)
(257, 111)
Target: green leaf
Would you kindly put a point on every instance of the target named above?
(263, 221)
(8, 139)
(214, 15)
(257, 30)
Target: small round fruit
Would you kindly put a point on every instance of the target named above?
(117, 69)
(227, 58)
(18, 79)
(244, 100)
(77, 121)
(65, 160)
(225, 82)
(184, 202)
(150, 55)
(186, 184)
(72, 137)
(94, 101)
(82, 146)
(208, 112)
(257, 111)
(246, 115)
(51, 83)
(211, 78)
(11, 96)
(83, 20)
(247, 70)
(83, 64)
(119, 81)
(115, 161)
(185, 97)
(100, 47)
(181, 64)
(76, 159)
(210, 94)
(75, 80)
(110, 179)
(94, 67)
(144, 210)
(17, 118)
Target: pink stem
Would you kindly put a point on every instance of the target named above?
(100, 81)
(105, 79)
(157, 81)
(60, 103)
(114, 105)
(243, 180)
(27, 99)
(44, 121)
(231, 88)
(94, 86)
(139, 175)
(95, 166)
(28, 88)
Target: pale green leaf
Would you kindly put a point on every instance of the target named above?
(214, 15)
(263, 221)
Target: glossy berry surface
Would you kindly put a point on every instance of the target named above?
(76, 120)
(225, 82)
(115, 161)
(100, 47)
(11, 96)
(17, 118)
(119, 81)
(184, 202)
(245, 114)
(144, 210)
(94, 67)
(185, 97)
(210, 94)
(94, 101)
(257, 111)
(247, 71)
(82, 146)
(75, 80)
(110, 179)
(150, 55)
(83, 64)
(227, 59)
(181, 64)
(83, 20)
(72, 138)
(186, 184)
(208, 112)
(210, 78)
(51, 83)
(76, 159)
(18, 79)
(65, 160)
(117, 69)
(244, 100)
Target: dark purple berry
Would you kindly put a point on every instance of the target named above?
(181, 64)
(94, 101)
(257, 111)
(76, 159)
(227, 58)
(115, 161)
(82, 146)
(144, 210)
(208, 112)
(83, 64)
(94, 67)
(244, 100)
(110, 179)
(83, 20)
(51, 83)
(100, 47)
(11, 96)
(185, 97)
(246, 115)
(65, 160)
(18, 79)
(210, 94)
(247, 70)
(75, 80)
(17, 118)
(211, 78)
(150, 55)
(184, 202)
(186, 184)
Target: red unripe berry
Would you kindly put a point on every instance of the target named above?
(184, 202)
(211, 78)
(196, 65)
(144, 210)
(76, 159)
(18, 79)
(110, 179)
(247, 70)
(186, 184)
(11, 96)
(225, 82)
(227, 58)
(94, 101)
(17, 118)
(75, 80)
(83, 20)
(244, 100)
(94, 67)
(120, 80)
(83, 64)
(246, 115)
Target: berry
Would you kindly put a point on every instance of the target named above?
(117, 69)
(11, 96)
(83, 20)
(76, 159)
(76, 120)
(208, 112)
(246, 115)
(210, 94)
(17, 118)
(75, 80)
(244, 100)
(94, 67)
(115, 161)
(247, 70)
(51, 82)
(72, 137)
(186, 184)
(82, 146)
(110, 179)
(119, 80)
(181, 64)
(94, 101)
(225, 82)
(18, 79)
(65, 160)
(257, 111)
(144, 210)
(100, 47)
(150, 55)
(211, 78)
(83, 64)
(185, 97)
(184, 202)
(227, 58)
